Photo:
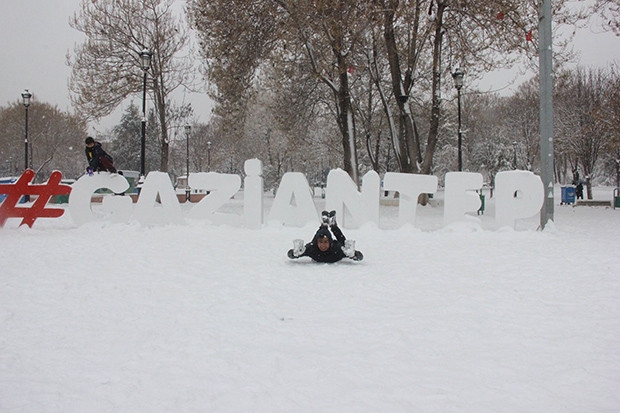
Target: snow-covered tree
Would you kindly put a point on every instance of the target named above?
(125, 140)
(106, 68)
(56, 140)
(580, 113)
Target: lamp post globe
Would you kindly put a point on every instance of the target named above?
(26, 97)
(458, 75)
(145, 59)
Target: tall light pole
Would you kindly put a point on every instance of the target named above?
(145, 62)
(458, 84)
(545, 65)
(188, 131)
(209, 156)
(26, 99)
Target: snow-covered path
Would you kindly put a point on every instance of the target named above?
(119, 317)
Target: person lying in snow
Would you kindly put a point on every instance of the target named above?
(323, 247)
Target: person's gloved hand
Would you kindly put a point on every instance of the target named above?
(298, 247)
(89, 171)
(349, 248)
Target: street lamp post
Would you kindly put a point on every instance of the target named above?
(188, 131)
(26, 99)
(458, 84)
(145, 62)
(209, 156)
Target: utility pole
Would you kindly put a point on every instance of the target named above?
(545, 58)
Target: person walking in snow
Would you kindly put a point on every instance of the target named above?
(98, 159)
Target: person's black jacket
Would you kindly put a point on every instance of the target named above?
(98, 159)
(579, 191)
(334, 253)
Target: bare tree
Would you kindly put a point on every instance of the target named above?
(126, 148)
(56, 140)
(580, 109)
(612, 121)
(426, 39)
(487, 147)
(317, 37)
(522, 119)
(610, 12)
(204, 143)
(106, 68)
(384, 55)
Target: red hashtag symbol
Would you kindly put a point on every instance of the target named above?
(9, 208)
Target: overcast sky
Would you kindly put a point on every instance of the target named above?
(35, 38)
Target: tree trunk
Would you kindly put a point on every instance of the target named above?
(160, 108)
(346, 122)
(376, 78)
(433, 132)
(405, 150)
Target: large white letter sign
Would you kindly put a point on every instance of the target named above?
(293, 203)
(167, 210)
(342, 191)
(83, 189)
(409, 187)
(460, 195)
(221, 188)
(253, 193)
(117, 208)
(518, 194)
(371, 195)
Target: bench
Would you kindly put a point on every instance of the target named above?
(591, 202)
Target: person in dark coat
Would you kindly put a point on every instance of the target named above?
(98, 159)
(324, 247)
(579, 190)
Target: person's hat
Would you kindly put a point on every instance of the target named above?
(324, 233)
(89, 140)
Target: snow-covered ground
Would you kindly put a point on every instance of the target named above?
(200, 318)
